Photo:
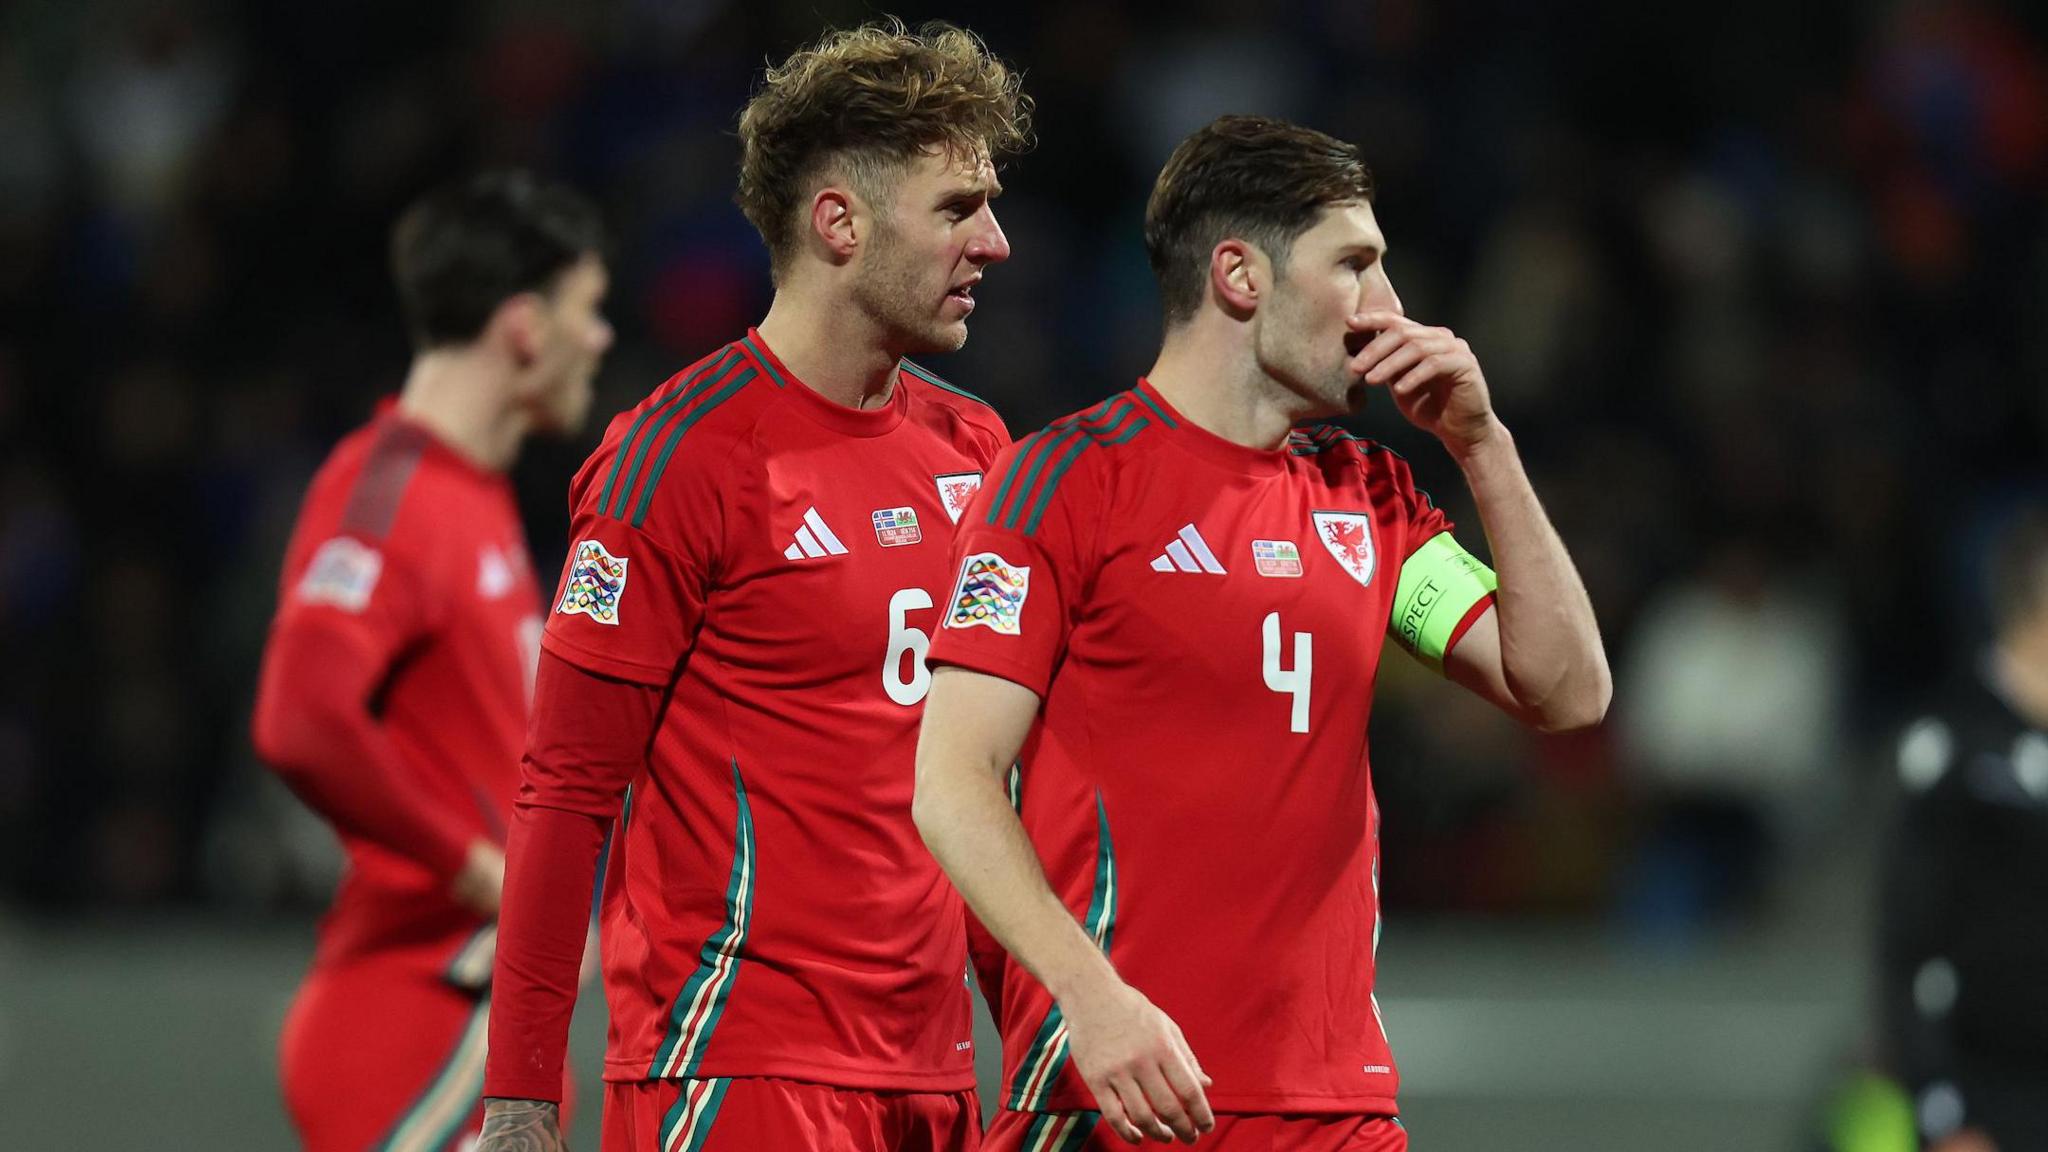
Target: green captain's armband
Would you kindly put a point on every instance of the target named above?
(1439, 584)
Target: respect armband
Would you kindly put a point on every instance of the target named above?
(1440, 585)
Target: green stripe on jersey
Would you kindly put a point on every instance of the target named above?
(1048, 1055)
(702, 1001)
(1156, 409)
(932, 378)
(678, 397)
(1063, 441)
(766, 362)
(675, 437)
(1052, 479)
(1037, 442)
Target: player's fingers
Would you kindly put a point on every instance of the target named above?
(1111, 1106)
(1194, 1062)
(1137, 1107)
(1399, 361)
(1164, 1100)
(1370, 347)
(1184, 1079)
(1418, 377)
(1377, 319)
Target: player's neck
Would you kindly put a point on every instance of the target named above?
(2021, 674)
(832, 347)
(1214, 382)
(461, 397)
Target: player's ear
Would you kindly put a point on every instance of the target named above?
(520, 324)
(835, 222)
(1237, 277)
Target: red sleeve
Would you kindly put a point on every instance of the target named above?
(337, 633)
(1019, 570)
(631, 597)
(587, 742)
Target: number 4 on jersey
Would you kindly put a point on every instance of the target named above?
(1293, 681)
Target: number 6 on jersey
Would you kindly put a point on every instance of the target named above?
(906, 641)
(1293, 681)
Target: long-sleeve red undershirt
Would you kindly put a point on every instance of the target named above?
(314, 727)
(587, 741)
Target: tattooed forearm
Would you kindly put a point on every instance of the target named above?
(521, 1126)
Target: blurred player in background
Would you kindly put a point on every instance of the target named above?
(733, 671)
(1174, 604)
(1963, 964)
(395, 683)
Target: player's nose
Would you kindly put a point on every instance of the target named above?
(989, 245)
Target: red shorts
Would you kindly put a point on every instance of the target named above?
(1075, 1131)
(381, 1055)
(756, 1114)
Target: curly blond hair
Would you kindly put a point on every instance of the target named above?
(860, 103)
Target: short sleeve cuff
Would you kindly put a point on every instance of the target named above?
(604, 664)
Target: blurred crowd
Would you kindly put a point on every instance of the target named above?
(1762, 291)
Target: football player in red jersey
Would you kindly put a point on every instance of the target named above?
(733, 670)
(395, 682)
(1169, 611)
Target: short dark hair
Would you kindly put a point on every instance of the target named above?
(463, 249)
(869, 99)
(2019, 570)
(1254, 178)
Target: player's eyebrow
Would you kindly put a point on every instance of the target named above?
(977, 190)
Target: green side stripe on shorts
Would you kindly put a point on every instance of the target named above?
(675, 436)
(932, 378)
(1059, 1131)
(439, 1113)
(702, 1001)
(633, 449)
(687, 1125)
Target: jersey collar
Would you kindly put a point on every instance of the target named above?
(1206, 444)
(831, 414)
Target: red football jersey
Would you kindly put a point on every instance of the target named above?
(416, 557)
(1203, 624)
(774, 560)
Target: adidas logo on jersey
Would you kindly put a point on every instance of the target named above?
(1188, 553)
(814, 539)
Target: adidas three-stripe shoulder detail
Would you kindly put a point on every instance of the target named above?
(932, 378)
(1044, 457)
(1314, 441)
(644, 453)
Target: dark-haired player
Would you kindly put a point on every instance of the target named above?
(1964, 930)
(739, 638)
(1170, 609)
(395, 683)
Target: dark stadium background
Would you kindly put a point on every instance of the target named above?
(1761, 287)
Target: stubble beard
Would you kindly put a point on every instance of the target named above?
(1287, 355)
(887, 291)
